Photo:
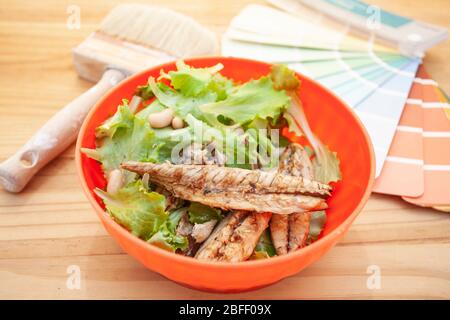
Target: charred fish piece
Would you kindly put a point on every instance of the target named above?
(235, 238)
(275, 203)
(279, 231)
(233, 191)
(212, 178)
(295, 161)
(290, 233)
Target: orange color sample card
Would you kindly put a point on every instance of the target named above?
(436, 145)
(403, 172)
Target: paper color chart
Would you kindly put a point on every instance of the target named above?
(374, 83)
(403, 173)
(436, 143)
(261, 24)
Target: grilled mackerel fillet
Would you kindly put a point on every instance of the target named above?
(290, 232)
(235, 238)
(236, 189)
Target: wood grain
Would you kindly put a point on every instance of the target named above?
(51, 226)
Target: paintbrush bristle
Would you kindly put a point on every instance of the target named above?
(159, 28)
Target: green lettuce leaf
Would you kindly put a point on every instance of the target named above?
(192, 82)
(316, 225)
(227, 141)
(199, 213)
(327, 170)
(221, 86)
(166, 139)
(259, 255)
(145, 92)
(245, 103)
(283, 78)
(292, 125)
(153, 107)
(123, 118)
(138, 210)
(326, 163)
(264, 248)
(133, 140)
(166, 236)
(181, 104)
(168, 142)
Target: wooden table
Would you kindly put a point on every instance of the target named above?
(50, 226)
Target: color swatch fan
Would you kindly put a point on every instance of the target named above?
(372, 79)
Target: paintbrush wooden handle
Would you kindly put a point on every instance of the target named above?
(54, 137)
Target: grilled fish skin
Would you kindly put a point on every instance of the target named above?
(220, 235)
(279, 231)
(208, 185)
(235, 238)
(298, 230)
(172, 202)
(245, 237)
(275, 203)
(295, 161)
(290, 233)
(213, 178)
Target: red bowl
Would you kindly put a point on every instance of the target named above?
(331, 120)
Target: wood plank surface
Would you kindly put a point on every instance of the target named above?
(50, 225)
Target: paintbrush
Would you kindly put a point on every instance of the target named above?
(131, 38)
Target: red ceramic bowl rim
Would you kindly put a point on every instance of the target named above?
(221, 265)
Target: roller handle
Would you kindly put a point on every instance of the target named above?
(54, 137)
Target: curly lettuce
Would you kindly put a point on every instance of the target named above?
(264, 248)
(193, 82)
(325, 162)
(128, 138)
(140, 211)
(256, 99)
(199, 213)
(166, 237)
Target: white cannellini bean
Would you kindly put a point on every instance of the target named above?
(134, 103)
(177, 123)
(115, 181)
(161, 119)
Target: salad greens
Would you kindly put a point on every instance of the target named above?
(194, 82)
(318, 220)
(327, 170)
(236, 118)
(325, 161)
(127, 138)
(264, 248)
(254, 100)
(137, 209)
(199, 213)
(166, 236)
